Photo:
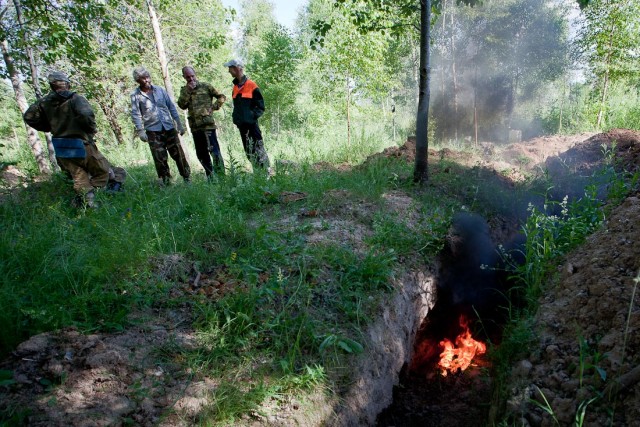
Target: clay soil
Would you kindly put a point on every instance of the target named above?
(586, 319)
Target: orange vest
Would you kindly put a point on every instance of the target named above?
(246, 91)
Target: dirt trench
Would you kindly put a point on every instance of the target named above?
(581, 320)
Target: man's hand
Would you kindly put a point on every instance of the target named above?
(143, 135)
(181, 130)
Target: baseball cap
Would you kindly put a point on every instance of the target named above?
(234, 63)
(58, 76)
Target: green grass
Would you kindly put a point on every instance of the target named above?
(297, 312)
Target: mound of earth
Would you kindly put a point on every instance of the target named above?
(536, 151)
(560, 154)
(589, 155)
(587, 333)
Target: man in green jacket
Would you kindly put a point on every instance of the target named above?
(198, 98)
(71, 121)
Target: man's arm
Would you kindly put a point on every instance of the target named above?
(35, 118)
(136, 115)
(258, 103)
(184, 99)
(173, 111)
(84, 114)
(220, 98)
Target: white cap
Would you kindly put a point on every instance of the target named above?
(234, 63)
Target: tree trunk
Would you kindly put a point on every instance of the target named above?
(348, 112)
(113, 122)
(475, 96)
(420, 174)
(35, 80)
(162, 55)
(605, 83)
(511, 105)
(32, 134)
(446, 132)
(603, 100)
(186, 122)
(454, 75)
(110, 110)
(564, 95)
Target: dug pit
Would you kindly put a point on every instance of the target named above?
(446, 382)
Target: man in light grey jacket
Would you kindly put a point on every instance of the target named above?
(156, 118)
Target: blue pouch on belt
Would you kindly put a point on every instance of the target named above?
(69, 148)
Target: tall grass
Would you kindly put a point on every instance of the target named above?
(295, 312)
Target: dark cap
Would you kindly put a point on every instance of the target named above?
(58, 76)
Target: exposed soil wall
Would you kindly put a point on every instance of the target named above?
(391, 339)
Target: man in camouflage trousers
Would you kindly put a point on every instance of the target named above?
(155, 117)
(71, 121)
(198, 98)
(248, 107)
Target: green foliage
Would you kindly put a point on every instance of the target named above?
(570, 112)
(63, 30)
(422, 239)
(582, 410)
(545, 405)
(623, 110)
(551, 233)
(607, 42)
(275, 69)
(589, 360)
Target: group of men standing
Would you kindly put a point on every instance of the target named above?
(70, 119)
(157, 120)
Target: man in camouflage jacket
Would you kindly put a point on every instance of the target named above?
(198, 98)
(72, 123)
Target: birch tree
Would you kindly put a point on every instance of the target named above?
(609, 43)
(35, 76)
(162, 55)
(32, 134)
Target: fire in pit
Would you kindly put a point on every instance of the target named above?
(459, 354)
(442, 384)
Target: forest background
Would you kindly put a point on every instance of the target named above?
(336, 89)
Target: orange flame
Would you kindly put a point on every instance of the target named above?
(459, 356)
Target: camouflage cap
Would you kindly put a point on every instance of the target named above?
(58, 76)
(234, 63)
